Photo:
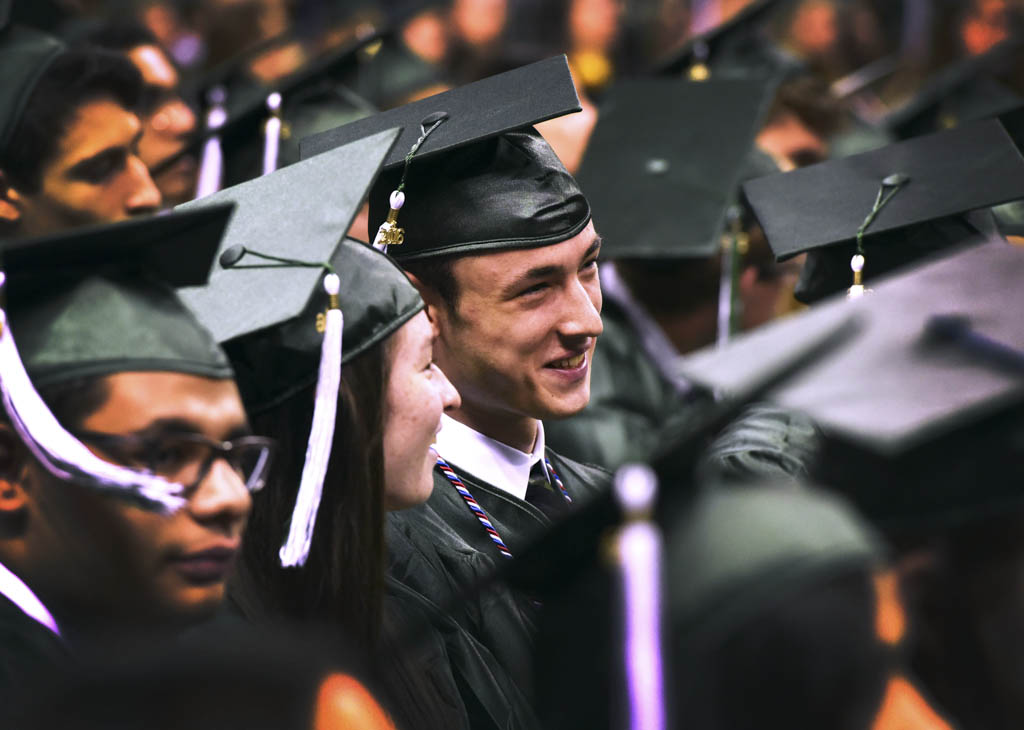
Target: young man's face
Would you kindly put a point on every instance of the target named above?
(167, 124)
(96, 175)
(520, 339)
(99, 553)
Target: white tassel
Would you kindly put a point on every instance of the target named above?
(389, 234)
(211, 164)
(321, 436)
(60, 453)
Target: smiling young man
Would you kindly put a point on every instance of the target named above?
(499, 240)
(69, 138)
(125, 513)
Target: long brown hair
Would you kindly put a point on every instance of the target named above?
(342, 580)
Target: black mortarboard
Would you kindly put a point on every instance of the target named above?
(92, 303)
(665, 193)
(475, 112)
(96, 301)
(497, 186)
(5, 12)
(25, 54)
(928, 182)
(962, 92)
(737, 47)
(921, 410)
(285, 324)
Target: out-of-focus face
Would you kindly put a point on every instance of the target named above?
(167, 124)
(96, 175)
(520, 339)
(417, 393)
(791, 143)
(594, 24)
(479, 22)
(102, 555)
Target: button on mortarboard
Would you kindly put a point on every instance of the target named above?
(665, 194)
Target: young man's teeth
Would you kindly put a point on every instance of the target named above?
(569, 363)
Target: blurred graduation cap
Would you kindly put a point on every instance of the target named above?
(469, 174)
(737, 47)
(292, 301)
(965, 91)
(98, 301)
(906, 200)
(25, 54)
(666, 194)
(921, 410)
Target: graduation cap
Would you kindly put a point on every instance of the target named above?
(921, 409)
(477, 177)
(965, 91)
(665, 195)
(25, 54)
(95, 302)
(285, 324)
(888, 206)
(735, 47)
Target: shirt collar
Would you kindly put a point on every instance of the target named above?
(17, 592)
(496, 463)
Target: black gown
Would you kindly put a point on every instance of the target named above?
(27, 649)
(440, 551)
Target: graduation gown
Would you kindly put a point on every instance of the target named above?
(27, 649)
(440, 551)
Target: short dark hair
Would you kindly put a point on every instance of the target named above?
(438, 274)
(75, 78)
(810, 100)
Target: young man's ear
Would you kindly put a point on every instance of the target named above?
(12, 472)
(10, 202)
(433, 301)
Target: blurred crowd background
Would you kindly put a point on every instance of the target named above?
(338, 59)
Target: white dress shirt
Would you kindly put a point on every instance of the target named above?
(14, 590)
(496, 463)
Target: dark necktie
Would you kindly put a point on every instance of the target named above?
(542, 495)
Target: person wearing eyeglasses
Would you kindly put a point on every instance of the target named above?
(126, 458)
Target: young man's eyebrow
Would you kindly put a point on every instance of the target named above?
(113, 149)
(542, 272)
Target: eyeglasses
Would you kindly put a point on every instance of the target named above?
(186, 458)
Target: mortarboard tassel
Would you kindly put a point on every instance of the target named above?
(60, 453)
(325, 408)
(272, 129)
(639, 555)
(895, 182)
(211, 164)
(321, 434)
(389, 234)
(300, 531)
